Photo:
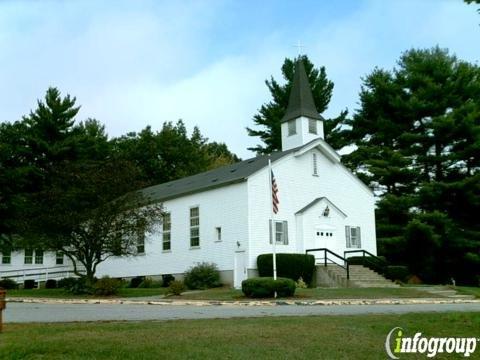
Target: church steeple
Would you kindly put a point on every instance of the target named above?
(301, 123)
(301, 101)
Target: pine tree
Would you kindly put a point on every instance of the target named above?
(270, 114)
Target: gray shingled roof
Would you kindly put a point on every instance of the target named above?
(222, 176)
(301, 101)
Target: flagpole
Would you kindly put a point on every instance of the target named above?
(272, 225)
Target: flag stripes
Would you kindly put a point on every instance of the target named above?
(275, 200)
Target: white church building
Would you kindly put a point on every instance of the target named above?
(223, 215)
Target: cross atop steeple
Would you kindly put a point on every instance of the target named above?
(299, 47)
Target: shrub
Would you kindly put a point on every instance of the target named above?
(29, 284)
(136, 281)
(167, 279)
(148, 283)
(107, 286)
(301, 284)
(8, 284)
(66, 282)
(51, 284)
(202, 276)
(263, 287)
(292, 266)
(176, 287)
(397, 272)
(79, 286)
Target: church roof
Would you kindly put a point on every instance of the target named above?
(225, 175)
(301, 99)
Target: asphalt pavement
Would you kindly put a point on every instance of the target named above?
(28, 312)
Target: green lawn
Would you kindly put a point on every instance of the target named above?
(227, 294)
(468, 290)
(322, 337)
(62, 294)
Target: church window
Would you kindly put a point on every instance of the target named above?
(194, 226)
(353, 237)
(166, 233)
(28, 259)
(218, 233)
(280, 229)
(292, 127)
(6, 257)
(315, 164)
(59, 258)
(38, 256)
(312, 126)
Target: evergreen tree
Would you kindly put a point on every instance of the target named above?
(417, 138)
(271, 113)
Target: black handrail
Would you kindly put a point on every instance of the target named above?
(325, 258)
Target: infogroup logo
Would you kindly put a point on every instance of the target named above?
(419, 344)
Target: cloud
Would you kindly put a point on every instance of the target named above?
(131, 64)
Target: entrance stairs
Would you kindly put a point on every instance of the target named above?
(360, 277)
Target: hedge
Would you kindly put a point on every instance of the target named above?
(291, 266)
(397, 272)
(264, 287)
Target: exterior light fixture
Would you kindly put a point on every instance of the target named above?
(326, 211)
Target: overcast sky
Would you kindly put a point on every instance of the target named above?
(137, 63)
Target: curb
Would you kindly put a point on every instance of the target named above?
(330, 302)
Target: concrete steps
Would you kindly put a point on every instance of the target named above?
(360, 276)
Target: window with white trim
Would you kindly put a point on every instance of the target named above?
(59, 258)
(28, 257)
(280, 229)
(6, 257)
(315, 164)
(353, 236)
(292, 127)
(38, 256)
(312, 126)
(194, 226)
(167, 230)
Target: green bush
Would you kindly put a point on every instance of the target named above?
(292, 266)
(397, 272)
(79, 286)
(167, 279)
(265, 287)
(148, 283)
(51, 284)
(202, 276)
(372, 263)
(176, 287)
(66, 282)
(107, 286)
(8, 284)
(29, 284)
(136, 281)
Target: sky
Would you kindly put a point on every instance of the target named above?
(136, 63)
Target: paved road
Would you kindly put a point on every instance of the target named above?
(23, 312)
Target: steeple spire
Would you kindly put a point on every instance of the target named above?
(301, 99)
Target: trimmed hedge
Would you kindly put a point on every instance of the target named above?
(167, 279)
(369, 262)
(107, 286)
(265, 287)
(397, 272)
(29, 284)
(292, 266)
(136, 281)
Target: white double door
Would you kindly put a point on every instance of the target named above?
(240, 269)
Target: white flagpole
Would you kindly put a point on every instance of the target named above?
(272, 226)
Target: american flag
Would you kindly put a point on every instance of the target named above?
(275, 201)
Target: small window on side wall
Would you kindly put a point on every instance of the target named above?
(218, 233)
(292, 127)
(59, 258)
(280, 231)
(315, 164)
(6, 257)
(312, 126)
